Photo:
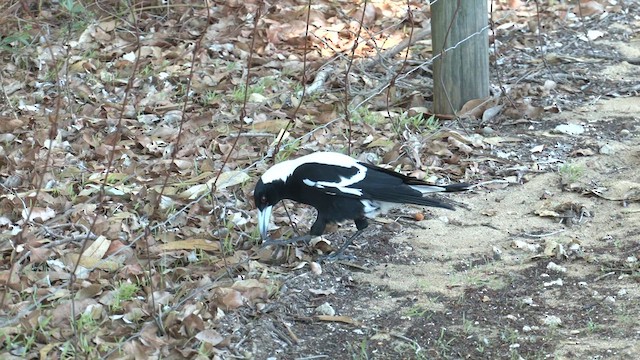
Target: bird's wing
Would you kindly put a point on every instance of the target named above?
(370, 182)
(387, 185)
(332, 179)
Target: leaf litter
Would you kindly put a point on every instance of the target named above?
(173, 268)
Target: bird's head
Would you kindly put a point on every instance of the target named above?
(266, 195)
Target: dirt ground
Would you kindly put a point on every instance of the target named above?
(540, 260)
(546, 268)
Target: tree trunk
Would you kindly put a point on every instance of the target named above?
(461, 71)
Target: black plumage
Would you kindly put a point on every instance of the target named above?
(340, 188)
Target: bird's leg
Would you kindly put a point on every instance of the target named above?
(316, 230)
(293, 240)
(361, 224)
(339, 254)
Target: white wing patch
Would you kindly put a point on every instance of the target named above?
(427, 189)
(340, 186)
(374, 208)
(312, 184)
(282, 170)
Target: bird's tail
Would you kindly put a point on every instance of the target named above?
(433, 200)
(428, 189)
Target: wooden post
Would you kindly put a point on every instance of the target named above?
(462, 73)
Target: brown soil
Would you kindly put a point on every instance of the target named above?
(476, 283)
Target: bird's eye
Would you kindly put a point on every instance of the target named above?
(263, 199)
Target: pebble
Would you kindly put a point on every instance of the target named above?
(497, 253)
(555, 267)
(528, 301)
(325, 309)
(487, 131)
(558, 282)
(570, 129)
(551, 320)
(607, 149)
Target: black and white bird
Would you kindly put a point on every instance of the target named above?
(341, 188)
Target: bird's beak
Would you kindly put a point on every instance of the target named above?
(264, 216)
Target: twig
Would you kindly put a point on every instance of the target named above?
(604, 276)
(535, 236)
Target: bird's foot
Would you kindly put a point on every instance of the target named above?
(339, 254)
(336, 256)
(280, 242)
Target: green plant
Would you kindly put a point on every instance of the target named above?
(15, 41)
(72, 7)
(255, 235)
(416, 311)
(227, 241)
(147, 70)
(363, 115)
(288, 149)
(238, 93)
(443, 344)
(181, 90)
(571, 173)
(467, 325)
(415, 123)
(232, 66)
(509, 336)
(86, 327)
(124, 292)
(265, 83)
(78, 12)
(211, 97)
(359, 351)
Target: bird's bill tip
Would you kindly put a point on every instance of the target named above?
(264, 216)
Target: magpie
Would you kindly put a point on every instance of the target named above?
(340, 188)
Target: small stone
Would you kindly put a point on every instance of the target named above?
(257, 98)
(13, 181)
(316, 269)
(173, 116)
(570, 129)
(487, 131)
(557, 282)
(497, 253)
(607, 149)
(551, 320)
(555, 267)
(625, 132)
(528, 301)
(325, 309)
(622, 292)
(610, 299)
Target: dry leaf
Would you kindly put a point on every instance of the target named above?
(190, 244)
(210, 336)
